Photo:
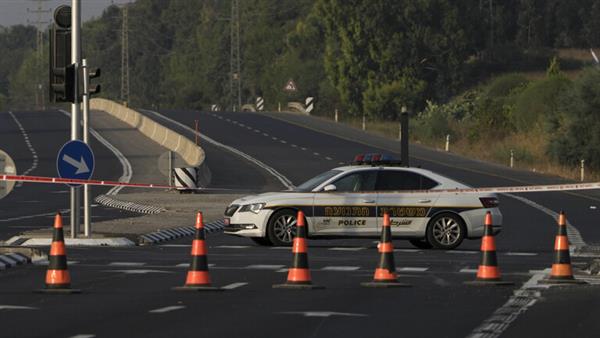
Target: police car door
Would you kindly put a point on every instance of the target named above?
(408, 211)
(349, 209)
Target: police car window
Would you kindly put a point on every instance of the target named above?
(316, 181)
(358, 181)
(396, 180)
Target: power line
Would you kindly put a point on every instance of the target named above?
(39, 52)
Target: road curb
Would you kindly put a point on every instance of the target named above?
(174, 233)
(13, 259)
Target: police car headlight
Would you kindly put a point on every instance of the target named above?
(255, 207)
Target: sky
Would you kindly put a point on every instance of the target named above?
(14, 12)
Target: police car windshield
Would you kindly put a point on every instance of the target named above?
(316, 181)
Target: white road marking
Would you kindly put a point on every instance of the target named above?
(281, 248)
(294, 146)
(521, 254)
(83, 335)
(274, 138)
(412, 269)
(316, 154)
(303, 148)
(256, 131)
(234, 286)
(51, 214)
(265, 134)
(282, 141)
(16, 307)
(348, 248)
(521, 300)
(328, 158)
(232, 246)
(60, 192)
(34, 163)
(187, 265)
(176, 245)
(284, 180)
(340, 268)
(468, 270)
(282, 270)
(324, 314)
(138, 271)
(462, 252)
(167, 309)
(341, 163)
(407, 250)
(265, 267)
(127, 264)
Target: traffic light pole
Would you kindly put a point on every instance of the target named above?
(87, 212)
(75, 116)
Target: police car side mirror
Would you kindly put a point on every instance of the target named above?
(330, 187)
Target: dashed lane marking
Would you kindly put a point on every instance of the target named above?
(328, 158)
(407, 250)
(303, 148)
(127, 264)
(341, 268)
(462, 252)
(138, 271)
(348, 248)
(412, 269)
(294, 146)
(467, 270)
(280, 248)
(233, 246)
(83, 335)
(34, 155)
(265, 267)
(316, 154)
(521, 254)
(274, 138)
(234, 286)
(282, 141)
(265, 134)
(16, 307)
(167, 309)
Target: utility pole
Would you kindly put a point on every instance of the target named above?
(235, 75)
(125, 55)
(39, 23)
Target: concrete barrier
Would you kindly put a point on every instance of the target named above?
(193, 155)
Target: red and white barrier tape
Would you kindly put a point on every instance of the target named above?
(56, 180)
(514, 189)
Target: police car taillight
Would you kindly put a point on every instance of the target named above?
(375, 159)
(489, 202)
(358, 159)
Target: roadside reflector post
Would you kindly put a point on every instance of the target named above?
(512, 158)
(279, 107)
(336, 115)
(447, 143)
(582, 170)
(364, 122)
(404, 140)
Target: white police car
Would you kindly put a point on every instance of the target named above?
(349, 201)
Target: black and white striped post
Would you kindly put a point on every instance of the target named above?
(260, 103)
(309, 103)
(185, 178)
(215, 107)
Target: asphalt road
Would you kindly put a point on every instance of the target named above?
(32, 206)
(126, 292)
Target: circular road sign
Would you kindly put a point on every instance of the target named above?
(7, 166)
(75, 160)
(62, 16)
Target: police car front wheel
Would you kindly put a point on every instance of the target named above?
(446, 231)
(282, 227)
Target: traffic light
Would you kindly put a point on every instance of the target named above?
(96, 88)
(63, 88)
(62, 72)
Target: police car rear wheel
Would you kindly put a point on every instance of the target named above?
(446, 231)
(282, 228)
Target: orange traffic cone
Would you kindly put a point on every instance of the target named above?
(299, 274)
(488, 272)
(198, 278)
(385, 273)
(562, 273)
(58, 279)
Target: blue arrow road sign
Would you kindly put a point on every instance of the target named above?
(75, 160)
